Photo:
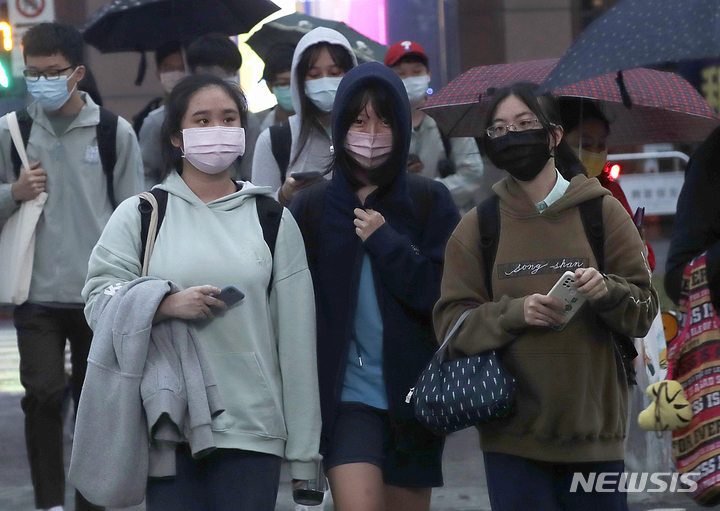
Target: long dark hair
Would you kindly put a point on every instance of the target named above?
(310, 113)
(377, 95)
(548, 114)
(176, 106)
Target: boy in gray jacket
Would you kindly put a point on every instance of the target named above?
(66, 163)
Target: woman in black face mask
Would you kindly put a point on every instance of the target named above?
(570, 405)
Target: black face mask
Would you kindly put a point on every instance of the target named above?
(522, 154)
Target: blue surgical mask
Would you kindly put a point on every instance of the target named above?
(417, 87)
(321, 91)
(283, 94)
(51, 94)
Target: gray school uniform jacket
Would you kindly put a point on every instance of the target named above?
(77, 206)
(145, 384)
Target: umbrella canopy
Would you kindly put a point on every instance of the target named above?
(129, 25)
(638, 33)
(666, 108)
(291, 28)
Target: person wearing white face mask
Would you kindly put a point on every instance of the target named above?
(303, 146)
(261, 350)
(455, 162)
(64, 152)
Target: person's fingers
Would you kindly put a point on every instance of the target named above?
(214, 302)
(361, 213)
(207, 289)
(35, 165)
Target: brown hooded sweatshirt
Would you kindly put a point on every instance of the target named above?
(570, 403)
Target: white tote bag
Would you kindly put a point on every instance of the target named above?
(17, 239)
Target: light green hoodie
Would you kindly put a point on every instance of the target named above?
(262, 350)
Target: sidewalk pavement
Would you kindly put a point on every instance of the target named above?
(465, 488)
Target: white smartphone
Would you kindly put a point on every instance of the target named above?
(571, 299)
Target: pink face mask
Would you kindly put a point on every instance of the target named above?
(214, 149)
(370, 150)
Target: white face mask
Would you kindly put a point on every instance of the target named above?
(214, 149)
(51, 94)
(170, 79)
(321, 91)
(417, 87)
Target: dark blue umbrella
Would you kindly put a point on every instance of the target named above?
(638, 33)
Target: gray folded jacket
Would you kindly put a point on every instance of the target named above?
(147, 388)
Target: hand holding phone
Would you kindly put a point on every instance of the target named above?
(230, 295)
(565, 291)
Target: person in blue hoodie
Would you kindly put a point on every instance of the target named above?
(375, 239)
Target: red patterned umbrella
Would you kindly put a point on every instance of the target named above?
(665, 107)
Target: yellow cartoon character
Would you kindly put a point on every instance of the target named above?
(668, 411)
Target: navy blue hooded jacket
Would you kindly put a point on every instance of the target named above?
(406, 257)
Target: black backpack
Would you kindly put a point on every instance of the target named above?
(268, 209)
(591, 214)
(106, 136)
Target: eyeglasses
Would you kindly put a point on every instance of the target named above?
(53, 74)
(523, 125)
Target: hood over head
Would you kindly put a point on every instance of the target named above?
(317, 35)
(354, 83)
(175, 185)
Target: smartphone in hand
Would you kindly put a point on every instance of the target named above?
(230, 295)
(565, 291)
(639, 218)
(304, 176)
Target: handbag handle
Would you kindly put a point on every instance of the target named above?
(17, 138)
(441, 350)
(152, 231)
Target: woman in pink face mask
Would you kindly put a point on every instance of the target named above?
(258, 338)
(375, 238)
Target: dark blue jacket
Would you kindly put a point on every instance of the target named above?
(406, 257)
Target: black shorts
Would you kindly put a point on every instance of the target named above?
(408, 453)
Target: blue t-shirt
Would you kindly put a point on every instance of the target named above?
(364, 372)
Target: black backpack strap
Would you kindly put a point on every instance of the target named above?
(270, 213)
(25, 122)
(107, 147)
(145, 208)
(281, 144)
(591, 212)
(420, 194)
(592, 218)
(488, 212)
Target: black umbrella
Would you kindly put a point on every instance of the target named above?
(290, 29)
(638, 33)
(131, 25)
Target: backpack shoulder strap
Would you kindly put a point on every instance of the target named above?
(488, 212)
(269, 213)
(107, 147)
(420, 193)
(25, 122)
(592, 218)
(146, 211)
(447, 146)
(281, 143)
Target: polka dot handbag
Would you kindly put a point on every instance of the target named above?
(454, 395)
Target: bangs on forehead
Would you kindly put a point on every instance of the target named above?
(375, 97)
(332, 49)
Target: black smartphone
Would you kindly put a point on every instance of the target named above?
(303, 176)
(230, 295)
(639, 218)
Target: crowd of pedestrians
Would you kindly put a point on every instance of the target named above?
(345, 225)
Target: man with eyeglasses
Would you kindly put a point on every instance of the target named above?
(65, 159)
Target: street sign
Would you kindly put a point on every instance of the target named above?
(30, 12)
(657, 193)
